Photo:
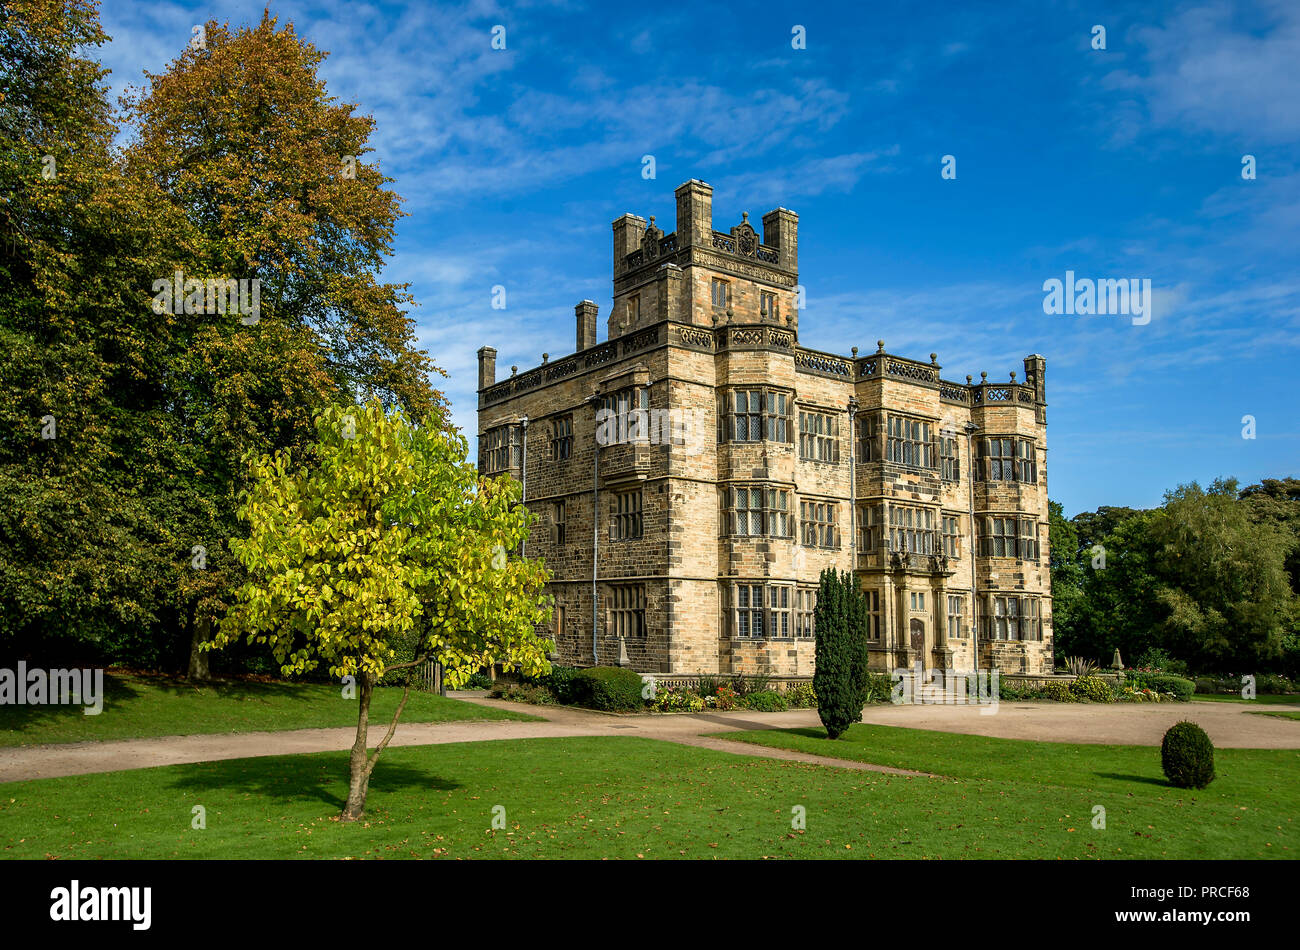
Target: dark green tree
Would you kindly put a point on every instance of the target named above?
(1068, 598)
(241, 167)
(1277, 501)
(1221, 578)
(1118, 609)
(840, 680)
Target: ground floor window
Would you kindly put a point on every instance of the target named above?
(805, 606)
(627, 610)
(763, 611)
(956, 629)
(778, 613)
(748, 610)
(1014, 618)
(873, 613)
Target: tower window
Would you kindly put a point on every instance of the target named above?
(1009, 460)
(501, 449)
(871, 528)
(911, 530)
(628, 524)
(719, 292)
(557, 522)
(868, 436)
(562, 438)
(767, 306)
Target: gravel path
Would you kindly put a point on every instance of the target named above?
(1229, 725)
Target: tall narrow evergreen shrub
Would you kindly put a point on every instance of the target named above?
(840, 680)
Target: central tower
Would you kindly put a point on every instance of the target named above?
(703, 277)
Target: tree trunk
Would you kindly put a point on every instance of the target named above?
(198, 669)
(359, 779)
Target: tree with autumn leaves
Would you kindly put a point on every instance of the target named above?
(238, 165)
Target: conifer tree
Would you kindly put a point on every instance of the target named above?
(840, 680)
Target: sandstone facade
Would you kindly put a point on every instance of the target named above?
(703, 468)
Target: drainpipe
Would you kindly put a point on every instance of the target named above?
(595, 529)
(971, 429)
(853, 492)
(523, 490)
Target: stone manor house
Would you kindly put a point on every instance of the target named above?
(694, 473)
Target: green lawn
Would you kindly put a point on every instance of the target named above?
(139, 707)
(1279, 713)
(1283, 698)
(625, 797)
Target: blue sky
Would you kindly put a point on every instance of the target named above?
(1116, 163)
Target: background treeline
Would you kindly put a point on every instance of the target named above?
(234, 163)
(1210, 578)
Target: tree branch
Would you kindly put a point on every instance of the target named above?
(403, 666)
(392, 727)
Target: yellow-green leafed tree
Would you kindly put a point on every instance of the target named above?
(385, 537)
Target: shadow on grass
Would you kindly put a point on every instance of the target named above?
(812, 732)
(1143, 779)
(20, 718)
(303, 778)
(119, 690)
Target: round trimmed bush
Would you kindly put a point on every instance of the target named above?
(1058, 692)
(1180, 687)
(1093, 688)
(610, 688)
(560, 682)
(1187, 756)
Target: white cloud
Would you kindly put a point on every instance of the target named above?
(1218, 68)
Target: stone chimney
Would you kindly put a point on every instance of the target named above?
(695, 213)
(586, 312)
(628, 231)
(781, 231)
(1036, 376)
(487, 366)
